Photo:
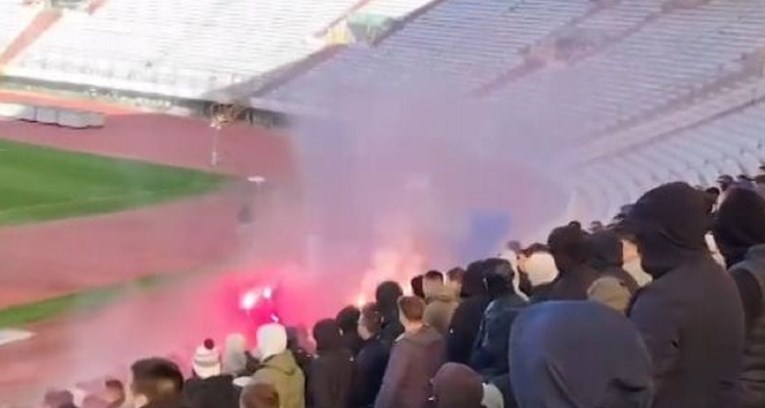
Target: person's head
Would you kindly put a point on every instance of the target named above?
(569, 351)
(272, 340)
(457, 386)
(629, 245)
(326, 332)
(596, 226)
(417, 286)
(94, 401)
(114, 392)
(58, 398)
(474, 281)
(725, 182)
(432, 283)
(540, 268)
(740, 224)
(370, 321)
(499, 277)
(206, 362)
(568, 246)
(453, 282)
(348, 319)
(669, 223)
(605, 250)
(514, 246)
(155, 379)
(411, 310)
(234, 354)
(259, 395)
(386, 297)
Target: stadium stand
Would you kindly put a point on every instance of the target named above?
(729, 144)
(176, 48)
(14, 18)
(458, 42)
(676, 56)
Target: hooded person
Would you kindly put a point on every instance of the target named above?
(571, 354)
(386, 298)
(414, 360)
(489, 356)
(440, 305)
(457, 386)
(615, 286)
(569, 248)
(371, 361)
(690, 316)
(466, 320)
(348, 320)
(234, 359)
(740, 232)
(332, 369)
(278, 366)
(209, 387)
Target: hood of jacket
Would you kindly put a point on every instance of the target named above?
(474, 282)
(457, 386)
(578, 354)
(670, 223)
(739, 224)
(272, 340)
(327, 335)
(386, 297)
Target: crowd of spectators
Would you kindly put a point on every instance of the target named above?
(660, 308)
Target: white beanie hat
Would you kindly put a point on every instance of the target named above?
(206, 361)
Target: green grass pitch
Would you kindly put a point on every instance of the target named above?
(40, 183)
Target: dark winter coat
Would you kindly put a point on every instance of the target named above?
(490, 353)
(414, 360)
(370, 369)
(690, 316)
(466, 320)
(574, 354)
(213, 392)
(331, 372)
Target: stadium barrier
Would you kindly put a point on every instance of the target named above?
(63, 117)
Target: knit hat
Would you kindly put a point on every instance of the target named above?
(206, 361)
(457, 386)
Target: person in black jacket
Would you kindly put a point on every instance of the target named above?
(348, 320)
(332, 369)
(740, 233)
(489, 357)
(690, 316)
(386, 298)
(371, 361)
(466, 320)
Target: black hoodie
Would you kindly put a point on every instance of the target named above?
(466, 320)
(332, 369)
(690, 316)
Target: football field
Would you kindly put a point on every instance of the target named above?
(41, 183)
